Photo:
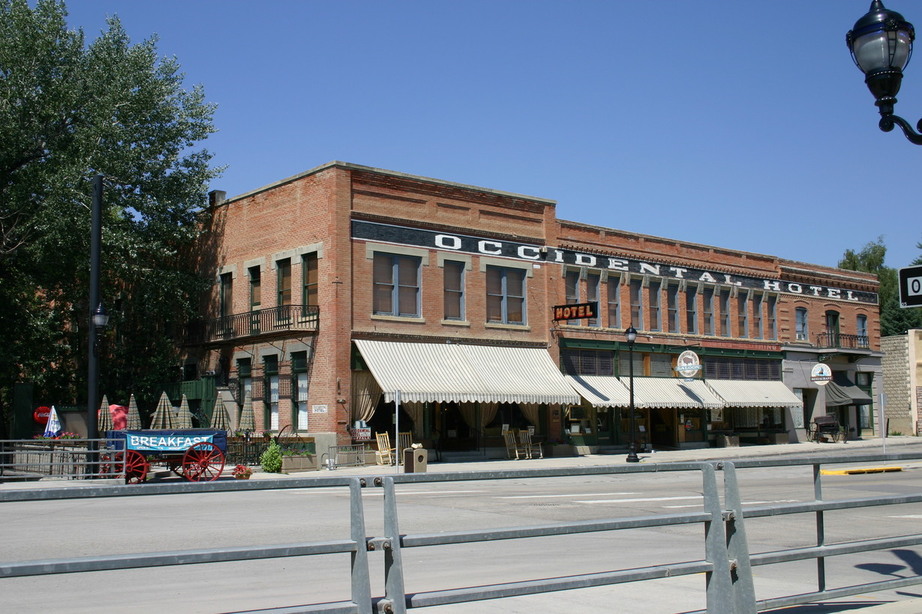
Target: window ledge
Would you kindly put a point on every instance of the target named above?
(524, 327)
(456, 323)
(405, 319)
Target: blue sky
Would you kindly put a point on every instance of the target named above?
(742, 125)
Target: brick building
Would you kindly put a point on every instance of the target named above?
(338, 287)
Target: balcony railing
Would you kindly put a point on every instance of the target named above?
(831, 339)
(263, 322)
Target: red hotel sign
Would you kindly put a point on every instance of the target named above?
(576, 312)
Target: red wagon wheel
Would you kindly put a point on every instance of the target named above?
(136, 466)
(202, 462)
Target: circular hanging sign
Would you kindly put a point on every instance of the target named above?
(688, 364)
(41, 414)
(821, 374)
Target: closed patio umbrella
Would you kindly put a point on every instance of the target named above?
(134, 417)
(247, 420)
(163, 415)
(184, 419)
(219, 418)
(104, 418)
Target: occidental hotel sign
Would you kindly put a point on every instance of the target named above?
(451, 242)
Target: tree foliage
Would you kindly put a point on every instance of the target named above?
(894, 320)
(70, 110)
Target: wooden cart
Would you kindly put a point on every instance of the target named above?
(198, 455)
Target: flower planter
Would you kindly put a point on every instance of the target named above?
(301, 462)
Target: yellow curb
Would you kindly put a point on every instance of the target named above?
(857, 471)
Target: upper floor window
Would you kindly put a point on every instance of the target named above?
(226, 297)
(832, 322)
(454, 289)
(742, 304)
(637, 303)
(593, 283)
(614, 301)
(656, 307)
(396, 285)
(256, 294)
(861, 329)
(505, 295)
(283, 285)
(801, 332)
(691, 310)
(771, 313)
(309, 280)
(672, 309)
(725, 315)
(758, 316)
(708, 311)
(571, 283)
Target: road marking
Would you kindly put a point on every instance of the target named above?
(639, 500)
(576, 494)
(910, 516)
(860, 470)
(402, 492)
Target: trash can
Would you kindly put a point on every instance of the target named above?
(415, 460)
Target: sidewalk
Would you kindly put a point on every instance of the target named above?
(863, 446)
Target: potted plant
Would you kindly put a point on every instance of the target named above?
(242, 472)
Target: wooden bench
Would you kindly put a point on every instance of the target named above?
(826, 428)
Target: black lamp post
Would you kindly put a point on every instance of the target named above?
(881, 45)
(631, 335)
(98, 318)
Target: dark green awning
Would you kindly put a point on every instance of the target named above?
(837, 395)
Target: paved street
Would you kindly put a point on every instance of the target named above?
(142, 524)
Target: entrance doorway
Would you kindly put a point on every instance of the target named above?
(663, 426)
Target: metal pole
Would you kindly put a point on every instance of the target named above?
(632, 453)
(92, 403)
(397, 451)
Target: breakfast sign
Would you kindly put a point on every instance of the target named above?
(449, 242)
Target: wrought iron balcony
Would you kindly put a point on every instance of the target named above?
(832, 339)
(274, 321)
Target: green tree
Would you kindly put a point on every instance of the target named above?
(894, 320)
(70, 110)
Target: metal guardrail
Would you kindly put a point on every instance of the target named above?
(67, 459)
(727, 563)
(352, 455)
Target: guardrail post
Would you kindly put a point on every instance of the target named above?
(720, 598)
(820, 528)
(361, 579)
(737, 543)
(395, 594)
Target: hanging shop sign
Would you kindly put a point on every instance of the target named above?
(821, 374)
(542, 254)
(688, 364)
(577, 311)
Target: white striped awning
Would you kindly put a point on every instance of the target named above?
(673, 392)
(754, 393)
(431, 372)
(601, 390)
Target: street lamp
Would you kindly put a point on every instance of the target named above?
(631, 335)
(98, 317)
(881, 45)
